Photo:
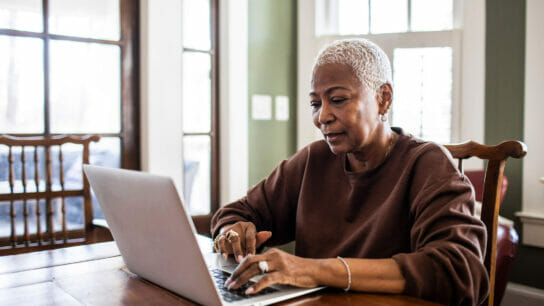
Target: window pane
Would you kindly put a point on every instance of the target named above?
(196, 92)
(71, 162)
(84, 18)
(432, 15)
(388, 16)
(24, 15)
(106, 153)
(423, 86)
(196, 24)
(197, 174)
(352, 17)
(21, 85)
(85, 87)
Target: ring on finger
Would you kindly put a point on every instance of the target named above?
(263, 266)
(230, 235)
(216, 242)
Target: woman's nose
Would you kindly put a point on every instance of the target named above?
(325, 114)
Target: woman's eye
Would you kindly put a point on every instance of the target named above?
(338, 100)
(315, 104)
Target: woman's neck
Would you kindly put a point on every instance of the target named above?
(372, 154)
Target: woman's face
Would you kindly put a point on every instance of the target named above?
(343, 109)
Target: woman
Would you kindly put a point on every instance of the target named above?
(370, 208)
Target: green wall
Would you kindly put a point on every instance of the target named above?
(272, 62)
(504, 100)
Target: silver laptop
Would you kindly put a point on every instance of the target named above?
(158, 241)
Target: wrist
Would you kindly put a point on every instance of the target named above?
(326, 272)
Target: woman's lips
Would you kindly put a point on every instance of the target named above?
(333, 137)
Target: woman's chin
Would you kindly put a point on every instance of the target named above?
(337, 148)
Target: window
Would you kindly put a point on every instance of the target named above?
(71, 67)
(423, 78)
(422, 44)
(200, 133)
(361, 17)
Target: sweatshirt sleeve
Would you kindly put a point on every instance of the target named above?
(271, 204)
(447, 241)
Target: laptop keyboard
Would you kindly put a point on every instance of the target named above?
(220, 277)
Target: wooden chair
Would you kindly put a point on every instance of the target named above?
(36, 181)
(496, 159)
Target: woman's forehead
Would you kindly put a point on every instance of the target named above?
(334, 74)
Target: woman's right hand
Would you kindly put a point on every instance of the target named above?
(240, 239)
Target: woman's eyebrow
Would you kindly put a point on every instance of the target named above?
(329, 90)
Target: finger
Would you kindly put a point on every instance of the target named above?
(250, 240)
(244, 276)
(266, 281)
(245, 264)
(224, 247)
(262, 237)
(234, 241)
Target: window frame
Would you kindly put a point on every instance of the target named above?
(213, 134)
(128, 43)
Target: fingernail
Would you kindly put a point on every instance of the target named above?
(225, 256)
(250, 290)
(231, 285)
(240, 258)
(227, 283)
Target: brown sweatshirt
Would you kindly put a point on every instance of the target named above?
(415, 208)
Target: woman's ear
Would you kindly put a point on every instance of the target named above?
(385, 98)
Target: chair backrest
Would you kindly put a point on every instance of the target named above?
(496, 159)
(37, 180)
(476, 177)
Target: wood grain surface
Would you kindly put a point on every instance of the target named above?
(96, 275)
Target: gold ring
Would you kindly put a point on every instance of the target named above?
(230, 235)
(216, 242)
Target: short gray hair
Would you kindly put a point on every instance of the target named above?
(368, 61)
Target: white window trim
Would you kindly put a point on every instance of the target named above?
(233, 100)
(468, 66)
(532, 214)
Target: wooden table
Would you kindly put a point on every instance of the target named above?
(96, 274)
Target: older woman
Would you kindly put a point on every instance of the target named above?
(370, 208)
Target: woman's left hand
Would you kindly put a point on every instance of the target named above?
(283, 268)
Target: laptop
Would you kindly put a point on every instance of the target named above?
(158, 241)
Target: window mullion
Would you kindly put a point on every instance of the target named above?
(46, 121)
(409, 12)
(369, 16)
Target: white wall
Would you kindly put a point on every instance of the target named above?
(306, 48)
(161, 92)
(233, 105)
(472, 114)
(532, 213)
(533, 165)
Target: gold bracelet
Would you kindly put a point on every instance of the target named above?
(349, 273)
